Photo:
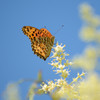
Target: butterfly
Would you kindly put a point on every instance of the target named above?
(42, 40)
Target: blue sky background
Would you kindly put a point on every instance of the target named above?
(17, 60)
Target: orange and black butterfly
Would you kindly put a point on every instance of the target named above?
(42, 40)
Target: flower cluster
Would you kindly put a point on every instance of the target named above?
(89, 88)
(59, 62)
(59, 88)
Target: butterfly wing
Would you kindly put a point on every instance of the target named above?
(31, 32)
(41, 41)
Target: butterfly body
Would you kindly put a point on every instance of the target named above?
(41, 40)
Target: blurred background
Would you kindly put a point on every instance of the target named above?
(17, 60)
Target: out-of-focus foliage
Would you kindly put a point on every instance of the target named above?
(12, 92)
(89, 88)
(31, 92)
(90, 33)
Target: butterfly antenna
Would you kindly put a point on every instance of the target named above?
(59, 29)
(45, 27)
(55, 42)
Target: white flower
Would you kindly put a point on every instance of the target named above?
(45, 87)
(58, 71)
(55, 64)
(59, 82)
(51, 86)
(61, 66)
(58, 48)
(59, 59)
(54, 54)
(65, 73)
